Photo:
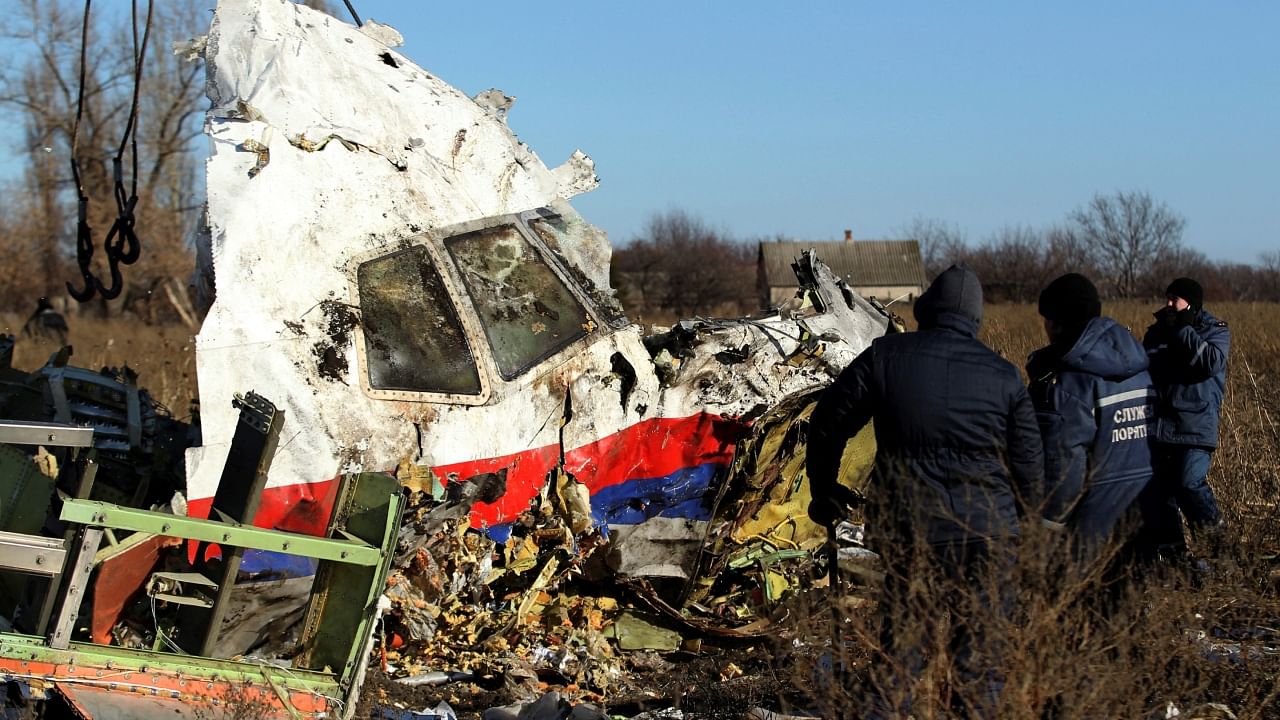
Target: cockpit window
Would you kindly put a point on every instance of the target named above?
(557, 234)
(413, 340)
(527, 312)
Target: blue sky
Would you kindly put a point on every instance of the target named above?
(806, 118)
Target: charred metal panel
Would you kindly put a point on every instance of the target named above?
(480, 299)
(416, 155)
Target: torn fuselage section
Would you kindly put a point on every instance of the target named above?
(367, 179)
(411, 283)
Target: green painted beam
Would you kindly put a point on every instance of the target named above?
(102, 514)
(16, 648)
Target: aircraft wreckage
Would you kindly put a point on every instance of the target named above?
(407, 308)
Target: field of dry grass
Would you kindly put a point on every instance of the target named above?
(1179, 639)
(162, 355)
(1204, 642)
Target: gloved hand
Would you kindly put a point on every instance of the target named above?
(1167, 317)
(829, 507)
(1184, 318)
(1056, 528)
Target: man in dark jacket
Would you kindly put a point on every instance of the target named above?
(1095, 403)
(1188, 351)
(957, 451)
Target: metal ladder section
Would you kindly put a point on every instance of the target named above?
(38, 555)
(354, 560)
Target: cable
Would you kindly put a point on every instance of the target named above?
(161, 633)
(122, 244)
(264, 665)
(352, 10)
(84, 237)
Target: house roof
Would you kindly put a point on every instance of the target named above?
(861, 262)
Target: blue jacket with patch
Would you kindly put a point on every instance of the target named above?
(1189, 366)
(1095, 405)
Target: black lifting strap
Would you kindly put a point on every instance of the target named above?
(122, 243)
(84, 235)
(354, 16)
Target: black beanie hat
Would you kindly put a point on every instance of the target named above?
(1071, 300)
(1188, 290)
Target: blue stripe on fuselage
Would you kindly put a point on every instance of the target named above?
(682, 494)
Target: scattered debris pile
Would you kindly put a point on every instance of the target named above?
(522, 611)
(547, 606)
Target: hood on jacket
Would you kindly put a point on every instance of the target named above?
(954, 300)
(1106, 349)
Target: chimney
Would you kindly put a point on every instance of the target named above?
(848, 236)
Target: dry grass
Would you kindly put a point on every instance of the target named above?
(162, 355)
(1173, 640)
(1176, 638)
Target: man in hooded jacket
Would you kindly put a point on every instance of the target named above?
(957, 453)
(1095, 404)
(1188, 348)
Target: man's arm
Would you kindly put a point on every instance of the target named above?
(1068, 427)
(844, 408)
(1207, 353)
(1025, 450)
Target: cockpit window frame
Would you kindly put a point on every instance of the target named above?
(521, 229)
(463, 315)
(464, 307)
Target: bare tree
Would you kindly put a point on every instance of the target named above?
(1065, 252)
(1231, 281)
(39, 88)
(1180, 262)
(19, 284)
(1012, 264)
(1269, 275)
(682, 266)
(1125, 232)
(941, 244)
(637, 271)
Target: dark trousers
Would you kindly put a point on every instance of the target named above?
(1178, 489)
(946, 596)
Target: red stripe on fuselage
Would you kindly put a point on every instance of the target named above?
(648, 449)
(526, 472)
(651, 448)
(655, 448)
(303, 508)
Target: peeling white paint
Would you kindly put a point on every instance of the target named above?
(384, 34)
(413, 157)
(495, 102)
(577, 175)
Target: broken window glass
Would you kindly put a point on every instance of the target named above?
(527, 312)
(556, 234)
(413, 340)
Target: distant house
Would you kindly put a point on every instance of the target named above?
(885, 269)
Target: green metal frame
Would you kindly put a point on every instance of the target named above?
(341, 613)
(124, 660)
(345, 613)
(99, 514)
(345, 596)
